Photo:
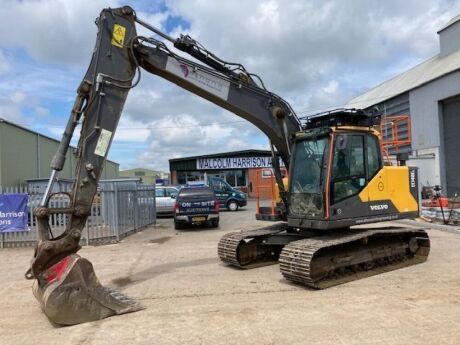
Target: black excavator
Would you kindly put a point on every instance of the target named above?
(337, 177)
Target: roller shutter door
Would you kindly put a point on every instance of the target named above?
(451, 122)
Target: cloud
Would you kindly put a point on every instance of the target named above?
(58, 31)
(315, 54)
(18, 107)
(131, 131)
(54, 30)
(4, 64)
(11, 109)
(183, 135)
(297, 45)
(41, 111)
(331, 87)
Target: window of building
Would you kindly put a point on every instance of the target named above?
(235, 178)
(230, 178)
(195, 176)
(240, 178)
(267, 173)
(181, 177)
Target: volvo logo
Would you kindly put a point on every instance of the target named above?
(378, 207)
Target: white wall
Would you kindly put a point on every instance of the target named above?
(425, 112)
(427, 161)
(426, 116)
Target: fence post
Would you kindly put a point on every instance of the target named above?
(136, 209)
(116, 218)
(155, 205)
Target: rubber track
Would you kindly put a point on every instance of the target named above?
(229, 244)
(296, 257)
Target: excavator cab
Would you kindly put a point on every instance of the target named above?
(338, 178)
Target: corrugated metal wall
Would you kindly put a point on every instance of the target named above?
(26, 155)
(398, 105)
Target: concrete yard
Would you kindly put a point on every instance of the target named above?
(192, 298)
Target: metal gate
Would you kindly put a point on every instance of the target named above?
(451, 126)
(118, 210)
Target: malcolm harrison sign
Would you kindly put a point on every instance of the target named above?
(233, 163)
(13, 212)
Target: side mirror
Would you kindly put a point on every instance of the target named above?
(173, 196)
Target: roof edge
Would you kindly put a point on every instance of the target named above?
(393, 78)
(42, 135)
(172, 160)
(449, 23)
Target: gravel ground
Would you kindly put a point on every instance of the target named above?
(192, 298)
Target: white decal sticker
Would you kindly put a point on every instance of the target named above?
(203, 80)
(103, 143)
(412, 178)
(378, 207)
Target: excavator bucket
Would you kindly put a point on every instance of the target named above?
(71, 293)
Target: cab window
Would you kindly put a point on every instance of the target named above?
(159, 192)
(373, 156)
(348, 171)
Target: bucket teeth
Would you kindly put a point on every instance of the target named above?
(115, 300)
(74, 295)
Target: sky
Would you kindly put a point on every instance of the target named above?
(316, 54)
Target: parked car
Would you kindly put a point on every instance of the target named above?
(196, 205)
(229, 197)
(165, 199)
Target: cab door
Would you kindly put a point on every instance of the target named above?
(376, 194)
(356, 161)
(348, 176)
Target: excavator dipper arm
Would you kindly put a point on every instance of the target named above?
(65, 284)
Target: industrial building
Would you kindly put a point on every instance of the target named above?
(430, 94)
(25, 155)
(147, 176)
(239, 168)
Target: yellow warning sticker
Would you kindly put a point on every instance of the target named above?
(118, 35)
